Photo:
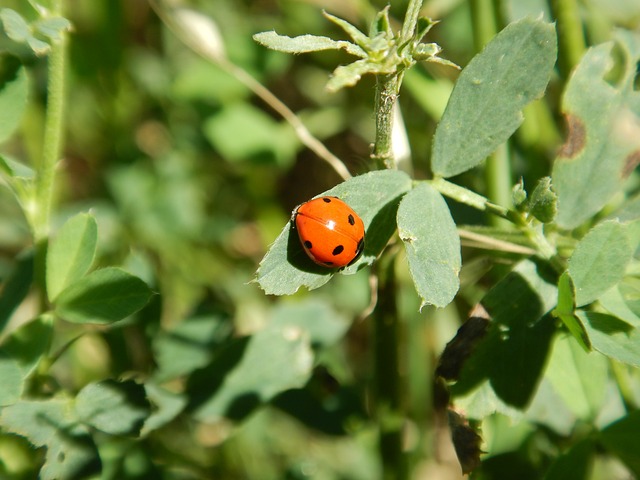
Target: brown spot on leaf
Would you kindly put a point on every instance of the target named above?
(575, 138)
(630, 163)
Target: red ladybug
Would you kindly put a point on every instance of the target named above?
(330, 231)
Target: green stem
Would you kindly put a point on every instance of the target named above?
(387, 88)
(571, 43)
(53, 131)
(472, 199)
(388, 386)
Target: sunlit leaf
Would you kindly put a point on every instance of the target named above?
(603, 143)
(13, 100)
(432, 244)
(374, 196)
(305, 43)
(486, 104)
(599, 261)
(71, 253)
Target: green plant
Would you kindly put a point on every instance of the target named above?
(210, 378)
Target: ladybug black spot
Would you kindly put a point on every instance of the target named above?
(308, 244)
(326, 200)
(338, 250)
(351, 220)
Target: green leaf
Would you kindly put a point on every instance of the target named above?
(29, 343)
(11, 380)
(16, 27)
(432, 244)
(14, 90)
(519, 337)
(374, 196)
(603, 144)
(575, 463)
(349, 75)
(15, 287)
(188, 346)
(486, 104)
(356, 35)
(578, 377)
(322, 323)
(599, 261)
(113, 407)
(612, 337)
(252, 371)
(565, 310)
(543, 203)
(103, 296)
(305, 44)
(167, 406)
(19, 31)
(53, 27)
(621, 439)
(270, 138)
(71, 253)
(623, 301)
(52, 424)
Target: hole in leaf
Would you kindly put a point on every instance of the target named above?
(615, 74)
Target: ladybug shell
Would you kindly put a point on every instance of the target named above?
(330, 231)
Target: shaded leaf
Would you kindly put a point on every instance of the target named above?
(603, 143)
(621, 439)
(103, 296)
(322, 323)
(27, 344)
(599, 261)
(512, 355)
(574, 463)
(117, 408)
(578, 377)
(565, 310)
(168, 406)
(486, 104)
(15, 287)
(250, 372)
(374, 196)
(432, 244)
(189, 345)
(70, 253)
(52, 424)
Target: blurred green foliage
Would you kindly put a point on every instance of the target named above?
(190, 178)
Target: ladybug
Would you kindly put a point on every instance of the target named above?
(330, 231)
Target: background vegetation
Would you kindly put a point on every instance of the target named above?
(134, 341)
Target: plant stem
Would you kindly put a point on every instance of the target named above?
(387, 88)
(571, 43)
(53, 132)
(195, 43)
(486, 22)
(388, 405)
